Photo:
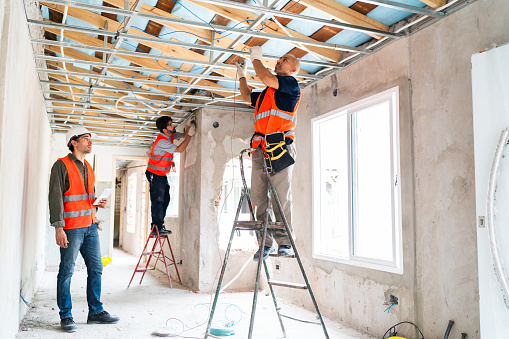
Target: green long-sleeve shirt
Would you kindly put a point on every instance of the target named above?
(58, 185)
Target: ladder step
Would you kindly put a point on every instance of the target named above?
(288, 284)
(145, 269)
(151, 252)
(258, 225)
(278, 256)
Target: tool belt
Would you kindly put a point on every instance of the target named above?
(277, 157)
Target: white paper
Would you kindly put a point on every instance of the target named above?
(106, 193)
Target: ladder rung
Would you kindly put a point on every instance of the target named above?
(287, 284)
(151, 252)
(258, 225)
(145, 269)
(284, 256)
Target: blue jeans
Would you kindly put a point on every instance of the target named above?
(159, 197)
(86, 241)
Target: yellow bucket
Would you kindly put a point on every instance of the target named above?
(396, 338)
(106, 260)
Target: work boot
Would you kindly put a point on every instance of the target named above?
(266, 251)
(161, 229)
(102, 318)
(284, 251)
(68, 325)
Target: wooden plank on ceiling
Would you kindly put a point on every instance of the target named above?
(143, 62)
(271, 27)
(99, 21)
(345, 14)
(434, 3)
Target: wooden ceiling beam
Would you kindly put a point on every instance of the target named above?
(143, 62)
(434, 3)
(100, 21)
(271, 27)
(345, 14)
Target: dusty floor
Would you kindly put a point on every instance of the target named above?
(146, 308)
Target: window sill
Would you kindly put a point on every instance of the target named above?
(360, 263)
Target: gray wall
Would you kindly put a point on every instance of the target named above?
(24, 159)
(202, 168)
(440, 279)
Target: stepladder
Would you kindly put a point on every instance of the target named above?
(261, 227)
(155, 254)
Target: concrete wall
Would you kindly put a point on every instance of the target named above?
(440, 280)
(24, 154)
(203, 166)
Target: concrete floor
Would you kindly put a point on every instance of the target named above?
(146, 308)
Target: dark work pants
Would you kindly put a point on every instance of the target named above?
(159, 197)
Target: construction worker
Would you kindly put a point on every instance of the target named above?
(72, 213)
(160, 163)
(275, 118)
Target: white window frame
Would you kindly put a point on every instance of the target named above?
(396, 265)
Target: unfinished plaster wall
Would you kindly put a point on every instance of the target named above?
(440, 281)
(203, 166)
(24, 154)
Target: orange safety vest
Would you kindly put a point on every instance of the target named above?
(160, 164)
(268, 118)
(78, 208)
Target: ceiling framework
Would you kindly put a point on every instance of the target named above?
(115, 66)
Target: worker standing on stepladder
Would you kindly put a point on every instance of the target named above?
(160, 163)
(274, 121)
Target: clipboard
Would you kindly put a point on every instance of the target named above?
(105, 194)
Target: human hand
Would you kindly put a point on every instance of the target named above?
(191, 121)
(241, 69)
(192, 130)
(103, 203)
(61, 237)
(255, 53)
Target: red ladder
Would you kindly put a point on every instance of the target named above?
(160, 256)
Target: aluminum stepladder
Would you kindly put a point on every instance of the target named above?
(262, 227)
(160, 255)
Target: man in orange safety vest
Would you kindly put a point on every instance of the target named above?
(275, 120)
(72, 213)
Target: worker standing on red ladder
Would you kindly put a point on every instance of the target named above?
(275, 118)
(160, 163)
(72, 213)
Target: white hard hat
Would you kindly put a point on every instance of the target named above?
(76, 131)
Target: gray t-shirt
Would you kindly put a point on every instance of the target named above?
(165, 145)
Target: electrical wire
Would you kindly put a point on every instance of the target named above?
(26, 303)
(388, 309)
(302, 321)
(392, 329)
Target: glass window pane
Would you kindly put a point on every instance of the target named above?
(372, 183)
(333, 171)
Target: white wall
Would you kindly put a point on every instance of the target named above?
(490, 82)
(24, 154)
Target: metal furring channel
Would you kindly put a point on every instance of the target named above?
(504, 137)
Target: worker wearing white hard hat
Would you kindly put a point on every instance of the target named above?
(76, 132)
(72, 213)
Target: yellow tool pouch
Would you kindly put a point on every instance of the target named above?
(277, 157)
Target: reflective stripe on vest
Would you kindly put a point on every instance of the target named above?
(160, 164)
(269, 119)
(78, 208)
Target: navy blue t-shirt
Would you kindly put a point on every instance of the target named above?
(286, 96)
